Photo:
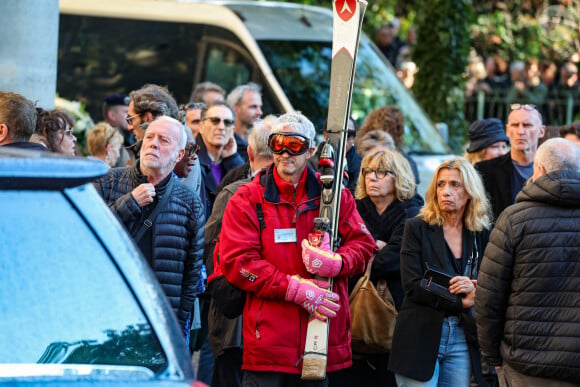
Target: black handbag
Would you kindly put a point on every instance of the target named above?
(437, 282)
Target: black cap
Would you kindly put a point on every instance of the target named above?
(483, 133)
(117, 99)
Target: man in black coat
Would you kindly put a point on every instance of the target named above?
(163, 216)
(504, 176)
(527, 291)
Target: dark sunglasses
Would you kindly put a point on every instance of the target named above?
(351, 134)
(293, 143)
(380, 173)
(192, 150)
(217, 120)
(518, 106)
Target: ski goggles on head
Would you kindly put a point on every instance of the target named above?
(293, 143)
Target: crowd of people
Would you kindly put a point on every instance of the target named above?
(211, 188)
(553, 87)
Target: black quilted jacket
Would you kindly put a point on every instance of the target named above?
(177, 234)
(528, 291)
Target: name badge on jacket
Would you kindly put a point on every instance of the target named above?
(284, 235)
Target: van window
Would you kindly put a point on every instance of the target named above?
(228, 64)
(99, 56)
(303, 70)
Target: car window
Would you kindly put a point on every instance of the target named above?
(62, 299)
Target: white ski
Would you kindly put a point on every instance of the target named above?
(347, 24)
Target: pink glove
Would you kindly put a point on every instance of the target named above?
(311, 295)
(321, 260)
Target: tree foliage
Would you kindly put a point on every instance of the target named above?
(525, 29)
(548, 30)
(441, 57)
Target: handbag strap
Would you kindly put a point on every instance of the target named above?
(148, 222)
(472, 260)
(362, 280)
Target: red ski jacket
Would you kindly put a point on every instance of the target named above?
(274, 330)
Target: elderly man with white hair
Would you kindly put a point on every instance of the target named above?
(163, 216)
(527, 290)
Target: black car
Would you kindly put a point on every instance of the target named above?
(78, 303)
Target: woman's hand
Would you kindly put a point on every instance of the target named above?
(380, 244)
(464, 285)
(461, 284)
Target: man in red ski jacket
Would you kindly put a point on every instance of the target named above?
(265, 251)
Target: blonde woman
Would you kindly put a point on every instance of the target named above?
(104, 143)
(450, 234)
(385, 198)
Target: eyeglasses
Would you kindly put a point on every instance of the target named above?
(194, 105)
(191, 150)
(351, 134)
(518, 106)
(217, 120)
(129, 119)
(380, 173)
(293, 143)
(196, 121)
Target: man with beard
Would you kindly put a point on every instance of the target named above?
(163, 216)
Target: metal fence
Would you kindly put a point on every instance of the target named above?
(560, 107)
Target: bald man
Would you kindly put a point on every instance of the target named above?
(527, 289)
(504, 176)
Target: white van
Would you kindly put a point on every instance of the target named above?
(110, 46)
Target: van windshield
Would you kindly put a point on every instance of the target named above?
(303, 70)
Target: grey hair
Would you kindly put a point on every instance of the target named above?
(258, 138)
(297, 122)
(236, 95)
(517, 65)
(557, 154)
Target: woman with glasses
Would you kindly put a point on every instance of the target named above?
(385, 198)
(104, 142)
(54, 131)
(440, 256)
